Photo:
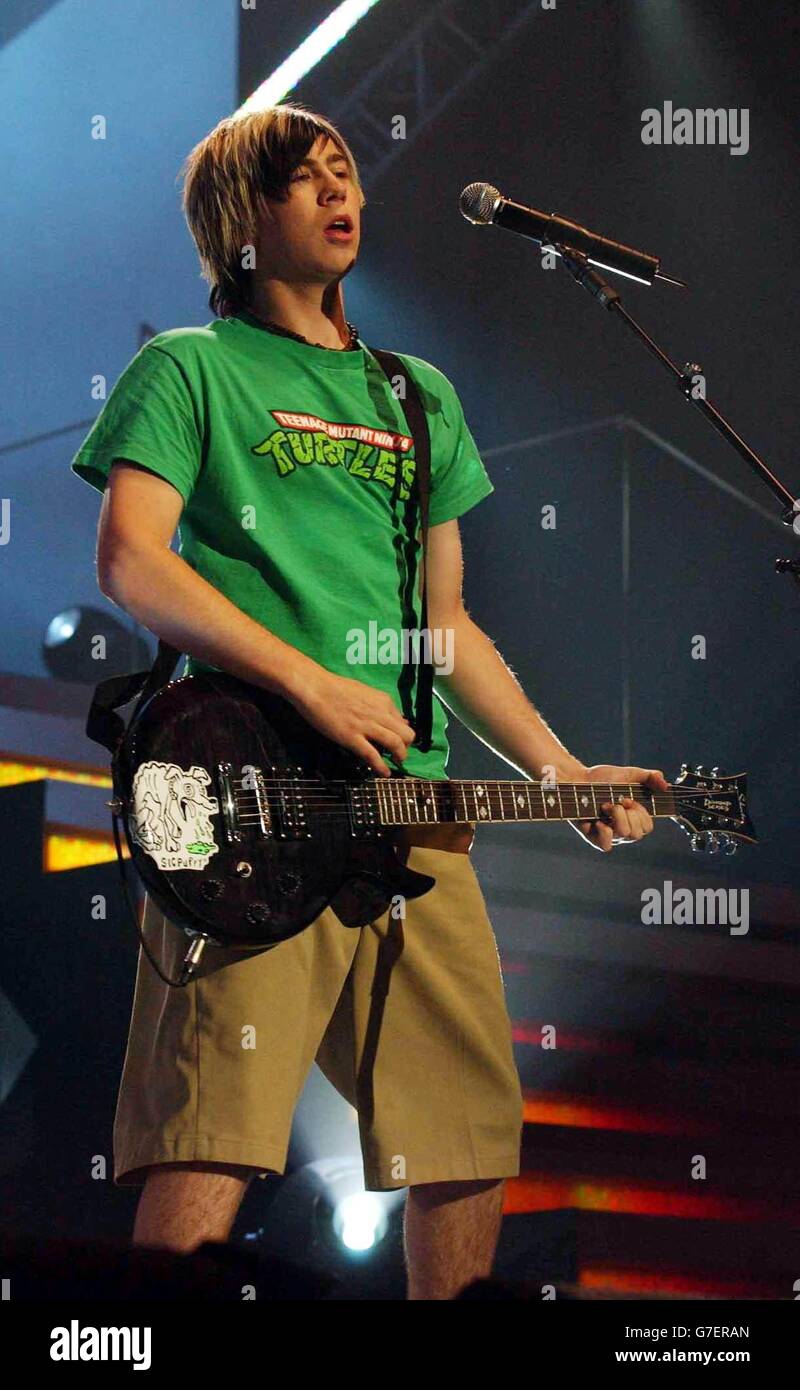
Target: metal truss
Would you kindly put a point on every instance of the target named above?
(422, 73)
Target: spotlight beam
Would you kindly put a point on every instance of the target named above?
(311, 51)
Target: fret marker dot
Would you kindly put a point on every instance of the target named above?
(520, 800)
(551, 801)
(584, 801)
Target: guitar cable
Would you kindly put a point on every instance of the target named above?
(191, 960)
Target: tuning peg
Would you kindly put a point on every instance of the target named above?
(684, 769)
(705, 842)
(715, 772)
(701, 771)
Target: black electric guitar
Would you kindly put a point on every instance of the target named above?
(244, 822)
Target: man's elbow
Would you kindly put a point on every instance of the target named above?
(118, 568)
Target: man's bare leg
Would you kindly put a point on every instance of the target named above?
(184, 1204)
(451, 1231)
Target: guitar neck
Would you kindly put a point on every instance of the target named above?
(416, 801)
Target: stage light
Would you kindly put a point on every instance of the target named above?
(86, 645)
(360, 1221)
(311, 51)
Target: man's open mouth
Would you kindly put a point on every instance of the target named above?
(340, 227)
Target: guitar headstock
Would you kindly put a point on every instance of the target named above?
(712, 808)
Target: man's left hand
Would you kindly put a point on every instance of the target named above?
(627, 820)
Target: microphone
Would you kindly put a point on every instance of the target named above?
(482, 204)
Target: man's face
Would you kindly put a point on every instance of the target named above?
(294, 242)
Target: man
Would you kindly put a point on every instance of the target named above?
(276, 441)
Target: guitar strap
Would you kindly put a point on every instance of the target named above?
(417, 422)
(107, 728)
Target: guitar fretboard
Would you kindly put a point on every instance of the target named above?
(415, 801)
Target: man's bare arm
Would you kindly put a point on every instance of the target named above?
(481, 690)
(137, 570)
(487, 697)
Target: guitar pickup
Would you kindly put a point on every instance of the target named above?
(362, 809)
(291, 812)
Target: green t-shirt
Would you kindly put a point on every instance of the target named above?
(295, 467)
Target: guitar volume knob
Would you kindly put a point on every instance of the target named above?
(258, 914)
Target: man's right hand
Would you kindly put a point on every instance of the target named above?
(355, 715)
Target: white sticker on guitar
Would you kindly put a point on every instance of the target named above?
(171, 815)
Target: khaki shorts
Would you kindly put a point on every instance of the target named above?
(407, 1019)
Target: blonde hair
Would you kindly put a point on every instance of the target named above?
(243, 159)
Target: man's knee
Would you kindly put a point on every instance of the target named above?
(452, 1188)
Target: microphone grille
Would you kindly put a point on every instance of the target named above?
(478, 202)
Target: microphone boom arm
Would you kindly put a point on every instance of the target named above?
(687, 379)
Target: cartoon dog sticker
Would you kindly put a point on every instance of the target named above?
(171, 815)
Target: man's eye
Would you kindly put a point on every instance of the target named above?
(297, 177)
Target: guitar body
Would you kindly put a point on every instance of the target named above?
(244, 822)
(237, 819)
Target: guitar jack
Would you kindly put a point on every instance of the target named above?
(243, 869)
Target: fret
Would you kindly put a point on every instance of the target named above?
(500, 795)
(409, 819)
(594, 801)
(560, 806)
(394, 799)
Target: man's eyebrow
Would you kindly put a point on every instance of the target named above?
(331, 159)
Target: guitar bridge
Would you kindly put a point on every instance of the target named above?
(227, 803)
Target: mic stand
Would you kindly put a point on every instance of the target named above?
(691, 382)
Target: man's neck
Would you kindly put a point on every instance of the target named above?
(313, 311)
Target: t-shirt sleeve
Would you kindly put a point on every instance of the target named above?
(458, 477)
(149, 418)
